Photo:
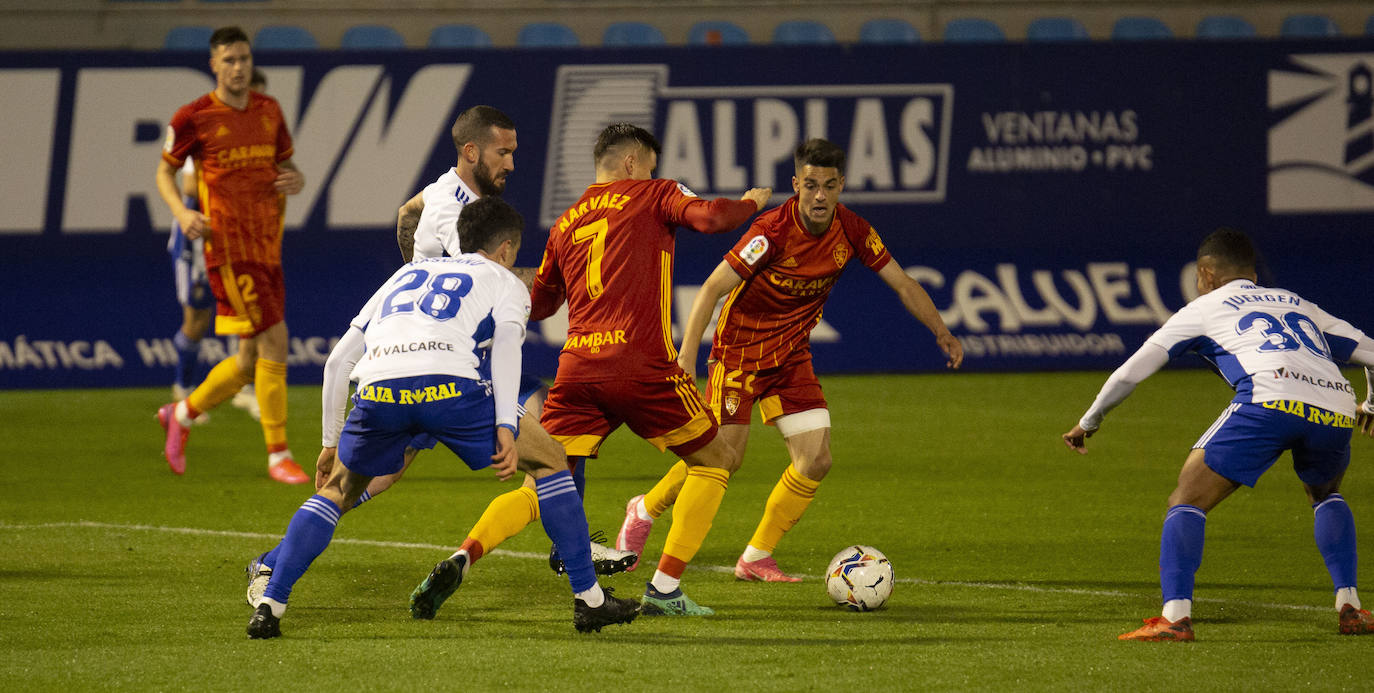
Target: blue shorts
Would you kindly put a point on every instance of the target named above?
(1248, 438)
(188, 267)
(528, 386)
(387, 414)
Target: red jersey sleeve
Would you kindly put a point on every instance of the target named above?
(752, 253)
(547, 293)
(867, 243)
(181, 137)
(681, 207)
(285, 147)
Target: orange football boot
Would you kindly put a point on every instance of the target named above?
(1160, 629)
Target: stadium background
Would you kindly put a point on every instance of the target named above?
(1048, 186)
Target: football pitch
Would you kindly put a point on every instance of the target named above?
(1018, 562)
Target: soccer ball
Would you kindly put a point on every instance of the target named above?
(859, 578)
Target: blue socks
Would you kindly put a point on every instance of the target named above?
(579, 475)
(560, 510)
(187, 351)
(1180, 550)
(310, 531)
(1334, 530)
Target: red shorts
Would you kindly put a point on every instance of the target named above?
(250, 297)
(787, 389)
(668, 413)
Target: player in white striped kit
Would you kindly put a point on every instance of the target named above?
(424, 366)
(1278, 351)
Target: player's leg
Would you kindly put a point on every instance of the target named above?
(223, 380)
(807, 435)
(1320, 462)
(1180, 548)
(565, 521)
(731, 400)
(310, 531)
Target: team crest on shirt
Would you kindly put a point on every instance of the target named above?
(731, 403)
(754, 250)
(685, 190)
(841, 254)
(267, 125)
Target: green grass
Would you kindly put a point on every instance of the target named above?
(1018, 561)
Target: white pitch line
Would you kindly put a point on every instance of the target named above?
(1010, 586)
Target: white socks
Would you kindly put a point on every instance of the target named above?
(641, 512)
(594, 597)
(1176, 609)
(1346, 595)
(664, 582)
(277, 607)
(752, 554)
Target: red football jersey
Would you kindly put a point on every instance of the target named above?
(788, 274)
(611, 256)
(236, 154)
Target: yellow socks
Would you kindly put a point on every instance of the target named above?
(504, 517)
(696, 509)
(785, 506)
(270, 383)
(220, 384)
(665, 492)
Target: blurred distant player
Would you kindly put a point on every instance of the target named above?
(425, 371)
(1278, 351)
(610, 256)
(777, 277)
(193, 289)
(242, 151)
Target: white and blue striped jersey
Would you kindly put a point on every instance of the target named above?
(436, 317)
(1269, 344)
(436, 234)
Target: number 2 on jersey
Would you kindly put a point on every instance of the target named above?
(596, 233)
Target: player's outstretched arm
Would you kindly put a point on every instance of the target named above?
(722, 281)
(407, 220)
(722, 214)
(1142, 364)
(917, 302)
(1076, 438)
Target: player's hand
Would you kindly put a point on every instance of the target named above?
(1076, 439)
(503, 462)
(194, 224)
(324, 466)
(1364, 418)
(289, 181)
(759, 196)
(953, 348)
(688, 364)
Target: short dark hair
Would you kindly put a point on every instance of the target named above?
(226, 35)
(618, 134)
(1230, 248)
(259, 77)
(487, 221)
(474, 125)
(820, 153)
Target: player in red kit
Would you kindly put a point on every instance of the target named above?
(242, 150)
(778, 276)
(610, 256)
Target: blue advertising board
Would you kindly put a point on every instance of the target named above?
(1049, 197)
